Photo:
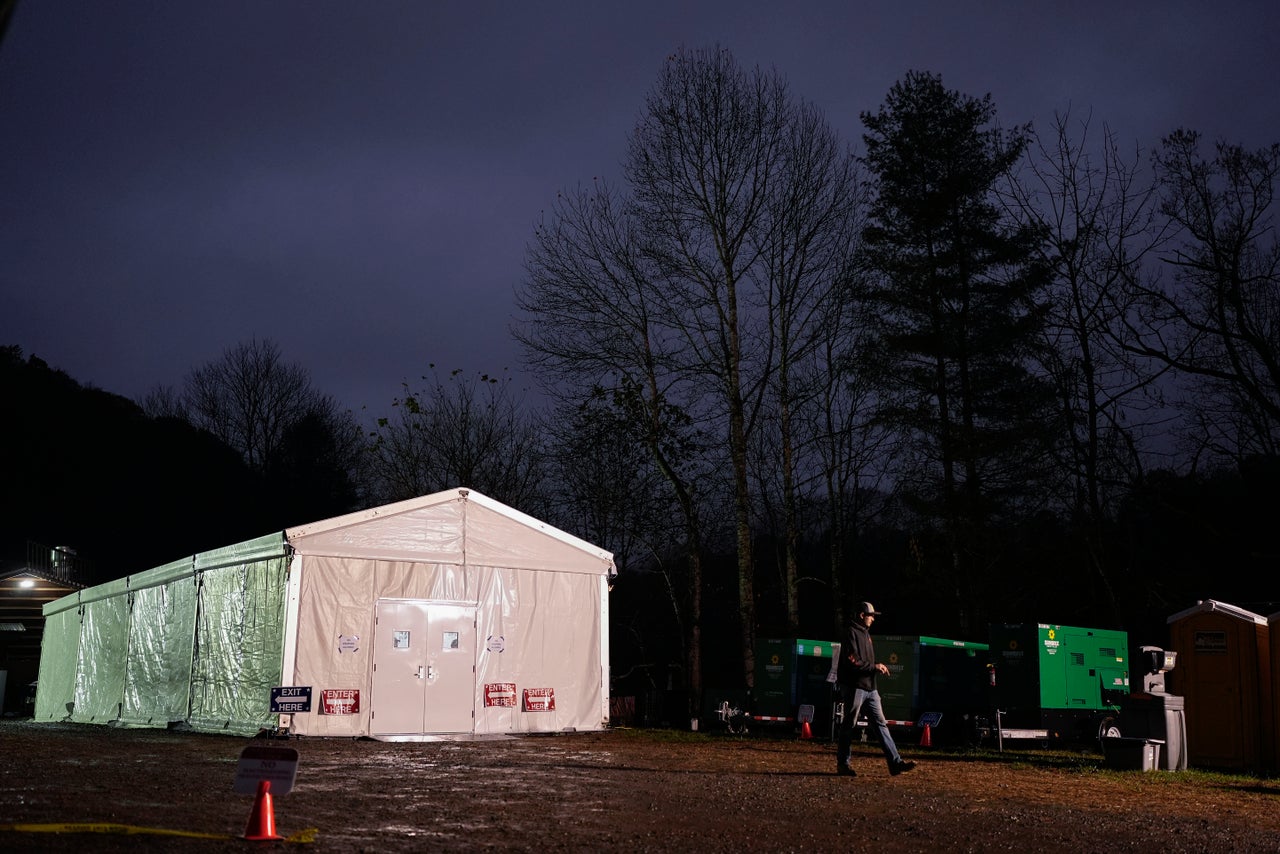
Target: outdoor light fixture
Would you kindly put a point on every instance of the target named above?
(27, 582)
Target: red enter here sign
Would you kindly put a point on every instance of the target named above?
(500, 694)
(539, 699)
(340, 701)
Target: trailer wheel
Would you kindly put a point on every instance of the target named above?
(734, 719)
(977, 730)
(1108, 727)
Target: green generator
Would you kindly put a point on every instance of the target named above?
(932, 680)
(792, 682)
(1057, 682)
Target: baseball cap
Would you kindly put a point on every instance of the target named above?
(868, 608)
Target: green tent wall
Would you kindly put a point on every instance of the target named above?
(197, 643)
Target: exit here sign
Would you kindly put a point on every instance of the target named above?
(289, 700)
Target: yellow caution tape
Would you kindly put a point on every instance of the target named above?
(98, 827)
(307, 835)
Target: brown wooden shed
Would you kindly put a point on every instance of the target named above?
(1273, 627)
(1224, 671)
(24, 591)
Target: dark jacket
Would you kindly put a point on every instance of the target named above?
(860, 672)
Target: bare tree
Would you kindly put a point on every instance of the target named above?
(1098, 225)
(608, 487)
(853, 449)
(703, 164)
(163, 401)
(605, 482)
(807, 237)
(592, 331)
(249, 399)
(1219, 321)
(695, 296)
(297, 439)
(468, 431)
(320, 463)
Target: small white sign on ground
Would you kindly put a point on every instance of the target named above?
(277, 765)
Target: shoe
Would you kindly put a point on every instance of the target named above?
(844, 769)
(900, 766)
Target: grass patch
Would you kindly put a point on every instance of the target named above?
(1082, 760)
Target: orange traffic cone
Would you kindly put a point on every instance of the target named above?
(926, 737)
(805, 732)
(262, 820)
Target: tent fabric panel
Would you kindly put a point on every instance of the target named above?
(569, 647)
(363, 517)
(69, 602)
(494, 539)
(184, 568)
(602, 595)
(100, 664)
(59, 651)
(336, 601)
(500, 623)
(444, 582)
(161, 637)
(501, 656)
(549, 627)
(250, 551)
(239, 645)
(431, 534)
(459, 527)
(107, 590)
(546, 627)
(527, 521)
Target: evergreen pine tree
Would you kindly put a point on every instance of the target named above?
(955, 282)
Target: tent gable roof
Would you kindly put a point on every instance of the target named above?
(458, 526)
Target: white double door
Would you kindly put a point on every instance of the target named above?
(423, 667)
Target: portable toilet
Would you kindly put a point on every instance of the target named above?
(1224, 672)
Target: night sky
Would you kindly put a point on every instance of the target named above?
(358, 181)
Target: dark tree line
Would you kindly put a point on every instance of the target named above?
(973, 374)
(247, 447)
(981, 375)
(89, 470)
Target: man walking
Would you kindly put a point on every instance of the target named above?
(856, 680)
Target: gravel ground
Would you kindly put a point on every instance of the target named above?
(66, 787)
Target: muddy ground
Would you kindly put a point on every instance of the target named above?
(66, 787)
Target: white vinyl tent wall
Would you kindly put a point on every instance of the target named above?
(540, 600)
(202, 641)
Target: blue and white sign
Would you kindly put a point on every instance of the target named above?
(289, 700)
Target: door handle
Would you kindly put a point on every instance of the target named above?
(419, 674)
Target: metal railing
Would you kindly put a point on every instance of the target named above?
(58, 562)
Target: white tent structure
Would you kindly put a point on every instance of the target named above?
(446, 615)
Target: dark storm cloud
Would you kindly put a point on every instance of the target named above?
(358, 182)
